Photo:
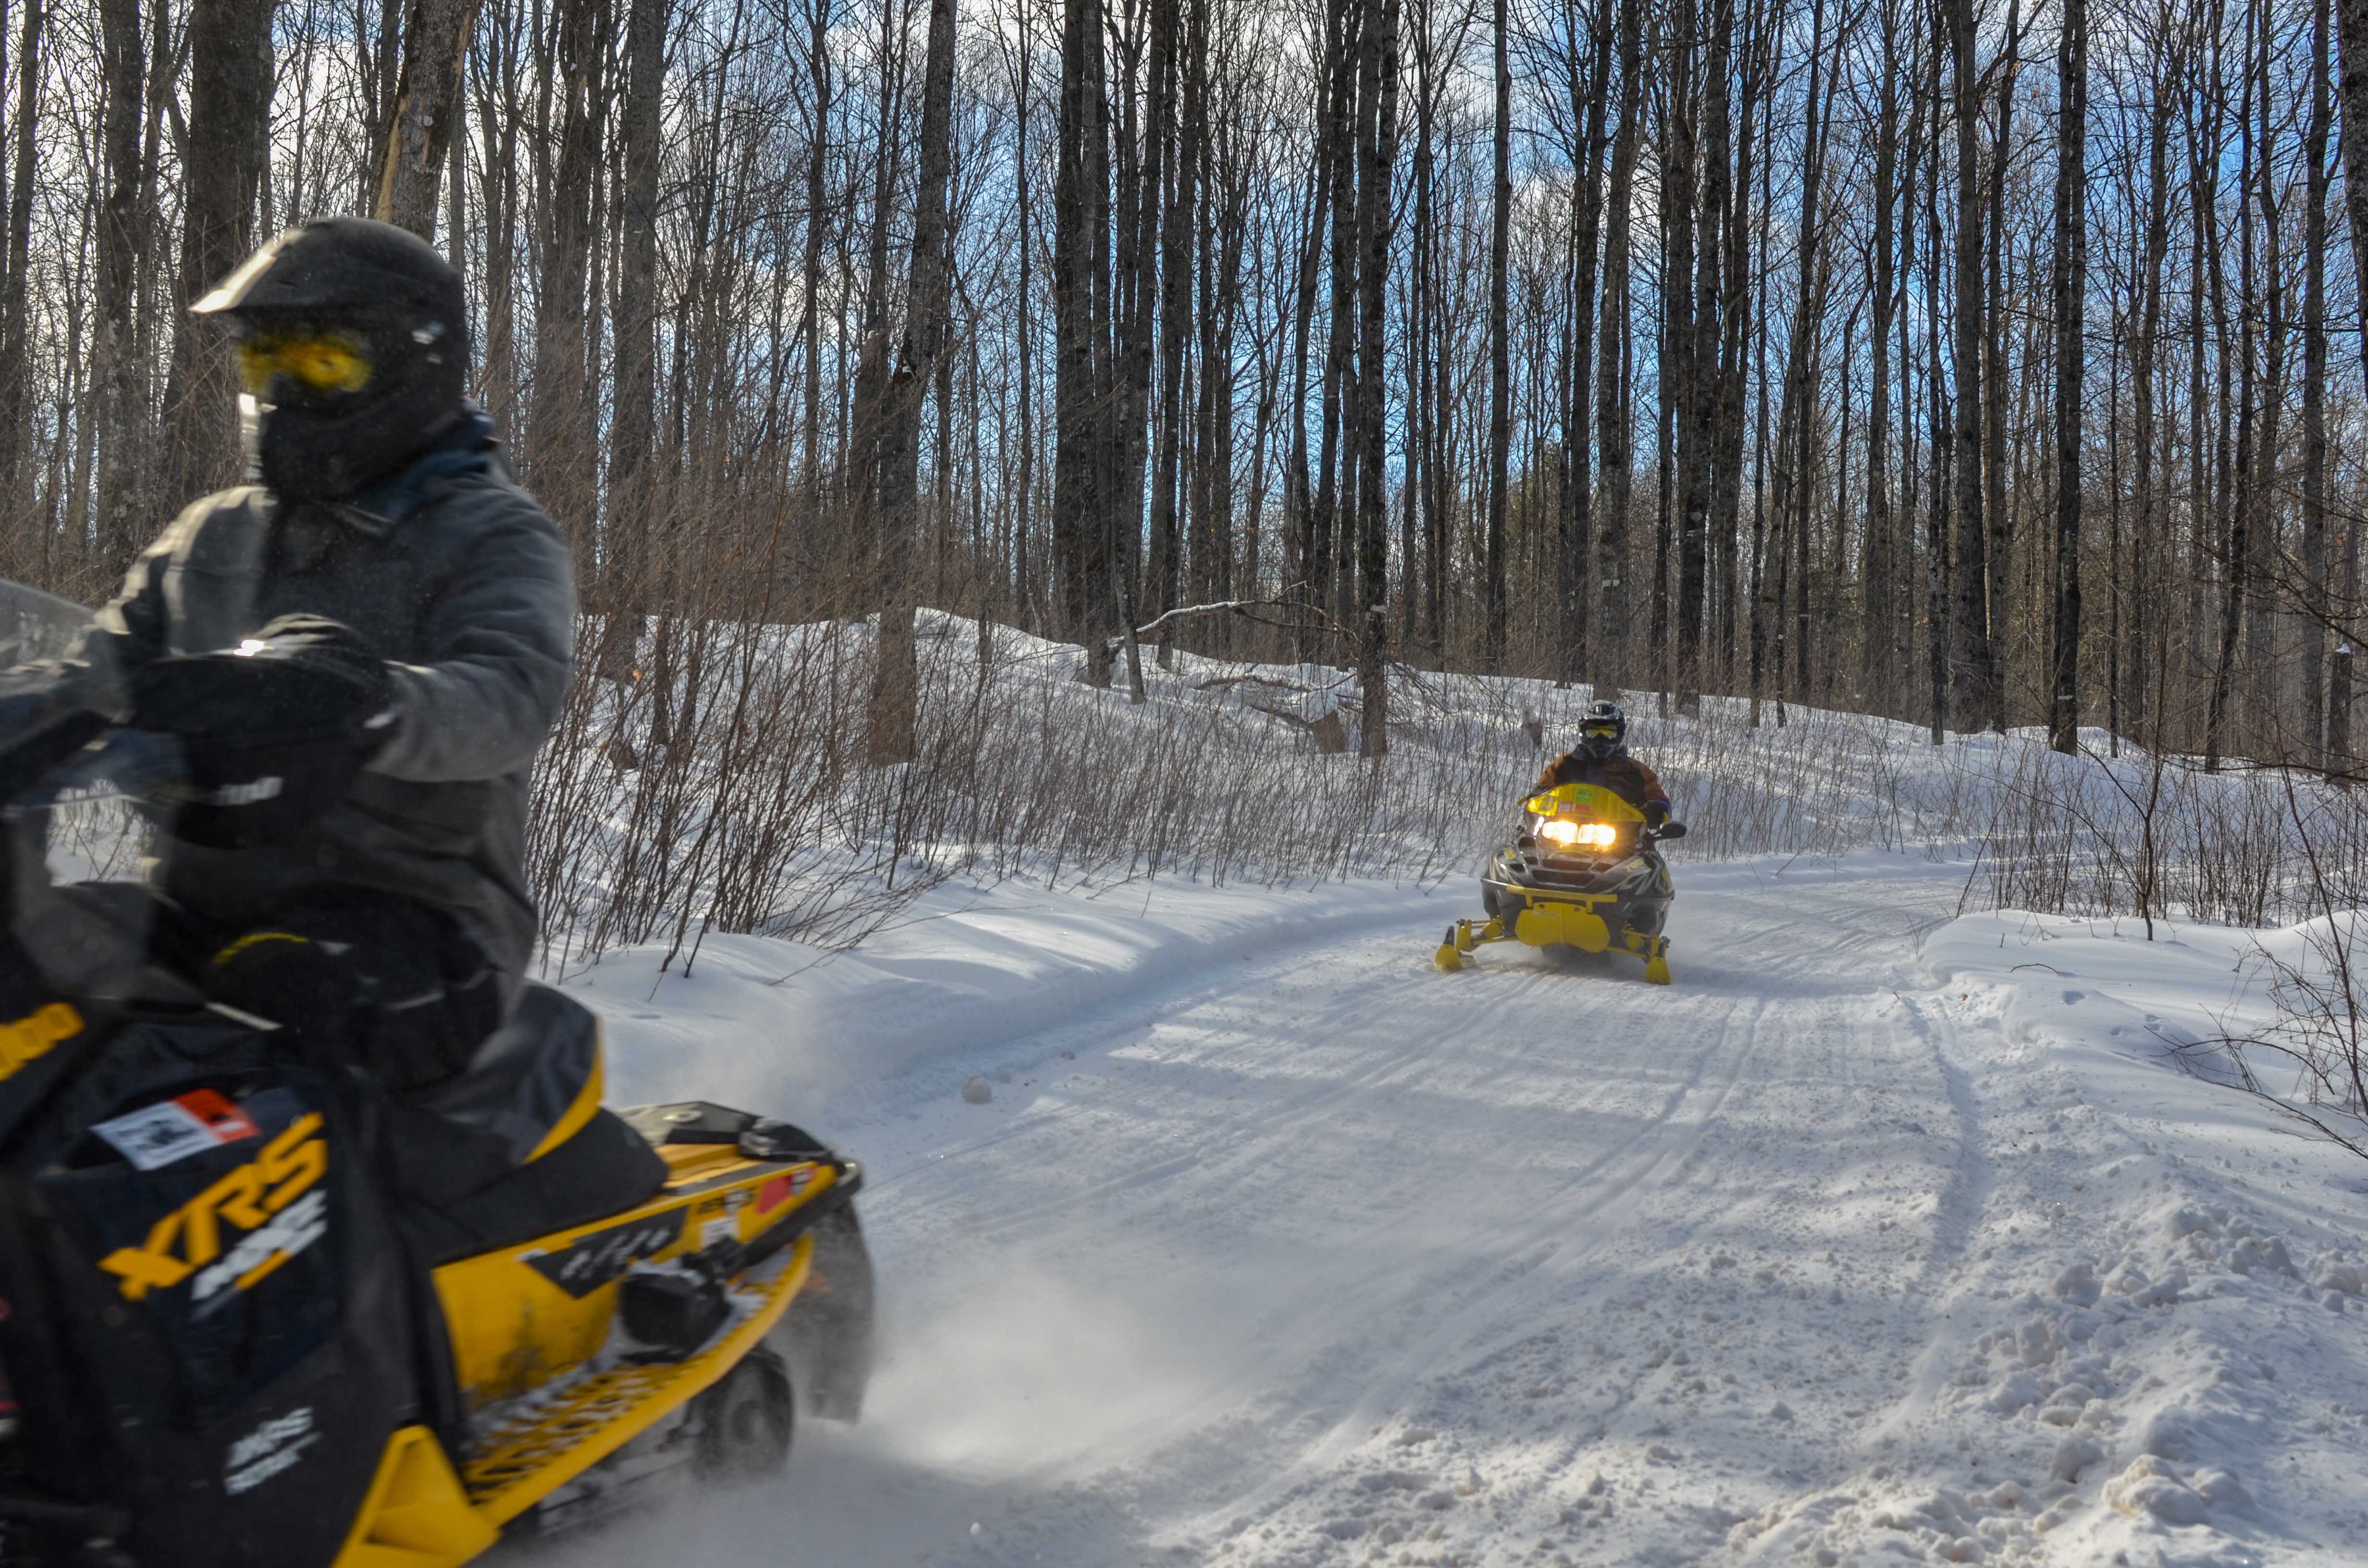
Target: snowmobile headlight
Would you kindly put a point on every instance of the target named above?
(1601, 834)
(1562, 833)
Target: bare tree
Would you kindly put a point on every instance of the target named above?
(426, 104)
(123, 239)
(16, 368)
(2071, 279)
(1970, 658)
(1377, 74)
(2315, 598)
(895, 689)
(627, 557)
(1501, 405)
(230, 98)
(1615, 416)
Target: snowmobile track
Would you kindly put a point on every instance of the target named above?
(1312, 1255)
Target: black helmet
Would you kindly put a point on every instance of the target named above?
(354, 346)
(1603, 731)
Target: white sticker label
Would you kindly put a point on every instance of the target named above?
(155, 1138)
(156, 1135)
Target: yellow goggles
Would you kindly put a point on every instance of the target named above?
(321, 362)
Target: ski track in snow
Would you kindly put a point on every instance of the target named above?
(1307, 1254)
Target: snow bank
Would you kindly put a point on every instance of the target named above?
(953, 990)
(2158, 1350)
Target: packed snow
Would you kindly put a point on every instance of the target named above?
(1216, 1226)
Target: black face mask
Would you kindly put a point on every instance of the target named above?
(1598, 748)
(309, 446)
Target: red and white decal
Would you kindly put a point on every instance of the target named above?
(784, 1188)
(156, 1136)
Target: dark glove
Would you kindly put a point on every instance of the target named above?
(1656, 813)
(276, 729)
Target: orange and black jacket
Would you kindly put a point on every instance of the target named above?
(1625, 776)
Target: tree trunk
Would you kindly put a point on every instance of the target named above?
(1023, 501)
(2071, 281)
(1591, 104)
(2239, 568)
(123, 238)
(1378, 74)
(2271, 738)
(817, 198)
(559, 448)
(1333, 550)
(1079, 533)
(230, 101)
(861, 455)
(1175, 291)
(1740, 219)
(1972, 633)
(427, 105)
(631, 555)
(1614, 417)
(2149, 629)
(1500, 406)
(1700, 323)
(16, 351)
(1141, 163)
(2314, 406)
(1424, 352)
(2351, 23)
(891, 733)
(1997, 519)
(1880, 654)
(1796, 421)
(1943, 444)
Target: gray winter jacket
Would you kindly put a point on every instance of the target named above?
(462, 583)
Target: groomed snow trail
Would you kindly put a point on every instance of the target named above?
(1313, 1255)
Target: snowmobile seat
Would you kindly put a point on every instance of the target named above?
(518, 1145)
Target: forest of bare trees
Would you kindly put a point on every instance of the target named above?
(1980, 365)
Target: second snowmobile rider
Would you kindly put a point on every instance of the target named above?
(1602, 758)
(402, 616)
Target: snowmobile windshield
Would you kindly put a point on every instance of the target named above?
(35, 625)
(76, 801)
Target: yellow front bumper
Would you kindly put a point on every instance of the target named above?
(1562, 924)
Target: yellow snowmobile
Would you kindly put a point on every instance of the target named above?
(255, 1309)
(1584, 872)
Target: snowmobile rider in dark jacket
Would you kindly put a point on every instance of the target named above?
(1602, 758)
(362, 648)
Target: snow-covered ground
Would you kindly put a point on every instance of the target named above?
(1883, 1235)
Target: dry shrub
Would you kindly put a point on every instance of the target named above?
(720, 785)
(2159, 836)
